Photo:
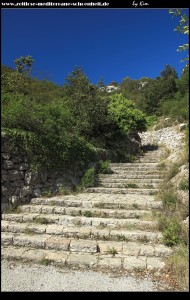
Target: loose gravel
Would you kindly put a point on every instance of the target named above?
(18, 277)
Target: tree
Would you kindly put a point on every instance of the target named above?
(154, 93)
(183, 28)
(24, 64)
(169, 72)
(86, 104)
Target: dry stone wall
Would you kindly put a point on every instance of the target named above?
(19, 184)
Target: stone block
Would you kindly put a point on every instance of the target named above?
(82, 260)
(25, 190)
(110, 262)
(7, 164)
(108, 247)
(85, 246)
(132, 262)
(154, 263)
(57, 243)
(16, 175)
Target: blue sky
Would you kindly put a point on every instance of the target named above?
(109, 44)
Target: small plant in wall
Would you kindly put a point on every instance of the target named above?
(87, 213)
(112, 251)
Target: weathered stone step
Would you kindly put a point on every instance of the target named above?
(134, 169)
(139, 191)
(146, 159)
(88, 232)
(140, 172)
(80, 221)
(135, 180)
(134, 165)
(92, 212)
(96, 261)
(85, 246)
(88, 201)
(133, 175)
(125, 184)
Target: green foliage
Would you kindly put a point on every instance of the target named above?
(104, 167)
(151, 120)
(168, 197)
(183, 27)
(112, 251)
(46, 193)
(176, 108)
(14, 82)
(168, 72)
(184, 184)
(24, 64)
(89, 178)
(132, 185)
(87, 214)
(86, 105)
(155, 93)
(44, 132)
(172, 233)
(127, 117)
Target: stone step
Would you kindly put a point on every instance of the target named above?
(84, 261)
(88, 232)
(85, 246)
(134, 165)
(146, 159)
(135, 180)
(133, 175)
(80, 221)
(139, 191)
(88, 201)
(139, 172)
(93, 212)
(134, 168)
(124, 184)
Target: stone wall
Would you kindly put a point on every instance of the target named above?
(171, 137)
(20, 185)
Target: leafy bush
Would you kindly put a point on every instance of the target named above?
(105, 168)
(172, 234)
(168, 197)
(89, 178)
(127, 117)
(151, 120)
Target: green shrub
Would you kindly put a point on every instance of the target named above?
(87, 214)
(126, 116)
(168, 197)
(105, 168)
(89, 179)
(151, 120)
(172, 234)
(45, 133)
(184, 184)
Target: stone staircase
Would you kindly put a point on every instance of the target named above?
(106, 227)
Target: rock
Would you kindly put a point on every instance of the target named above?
(36, 192)
(16, 175)
(6, 156)
(14, 200)
(25, 190)
(7, 164)
(182, 126)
